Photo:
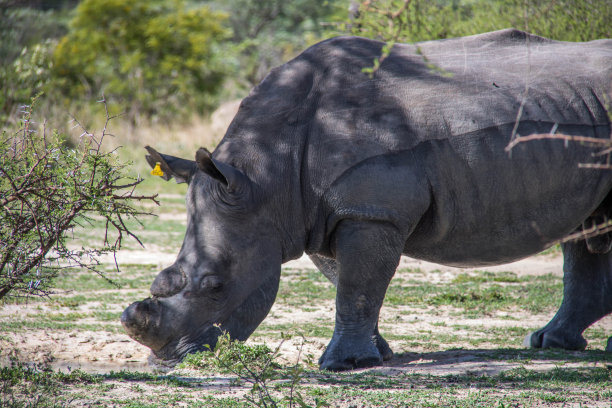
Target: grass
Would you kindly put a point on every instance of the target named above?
(476, 293)
(514, 387)
(132, 276)
(427, 316)
(481, 292)
(23, 386)
(314, 329)
(158, 233)
(27, 325)
(304, 287)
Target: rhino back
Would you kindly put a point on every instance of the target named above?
(447, 89)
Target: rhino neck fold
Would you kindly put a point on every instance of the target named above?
(245, 319)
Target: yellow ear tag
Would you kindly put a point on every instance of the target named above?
(157, 171)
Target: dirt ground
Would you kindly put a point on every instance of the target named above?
(103, 351)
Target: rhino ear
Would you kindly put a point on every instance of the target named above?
(171, 166)
(231, 177)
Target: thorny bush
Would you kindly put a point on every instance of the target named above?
(256, 365)
(48, 188)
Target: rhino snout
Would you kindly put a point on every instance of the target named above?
(141, 321)
(136, 317)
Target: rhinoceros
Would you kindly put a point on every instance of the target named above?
(355, 169)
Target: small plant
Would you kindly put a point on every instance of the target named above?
(47, 188)
(255, 365)
(37, 385)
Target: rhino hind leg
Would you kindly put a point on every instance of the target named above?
(329, 268)
(587, 297)
(602, 243)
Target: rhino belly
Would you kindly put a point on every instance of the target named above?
(490, 207)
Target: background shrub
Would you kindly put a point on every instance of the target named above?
(152, 57)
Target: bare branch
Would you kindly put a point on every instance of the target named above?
(594, 231)
(567, 138)
(49, 190)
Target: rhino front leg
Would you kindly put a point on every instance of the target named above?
(329, 268)
(587, 297)
(367, 254)
(380, 343)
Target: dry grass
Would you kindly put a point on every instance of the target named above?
(181, 138)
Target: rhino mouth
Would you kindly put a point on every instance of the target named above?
(142, 322)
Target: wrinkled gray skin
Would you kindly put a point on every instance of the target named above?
(356, 171)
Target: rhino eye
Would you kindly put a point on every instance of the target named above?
(211, 283)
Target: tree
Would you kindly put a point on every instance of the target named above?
(47, 188)
(153, 57)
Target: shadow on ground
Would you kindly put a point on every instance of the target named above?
(493, 361)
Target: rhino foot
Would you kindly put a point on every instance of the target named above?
(380, 343)
(347, 354)
(382, 346)
(551, 338)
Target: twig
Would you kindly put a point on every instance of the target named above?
(592, 232)
(568, 138)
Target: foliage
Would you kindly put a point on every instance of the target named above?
(161, 59)
(31, 71)
(25, 26)
(26, 41)
(46, 189)
(421, 20)
(564, 20)
(267, 33)
(156, 58)
(254, 365)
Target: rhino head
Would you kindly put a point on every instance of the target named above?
(226, 275)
